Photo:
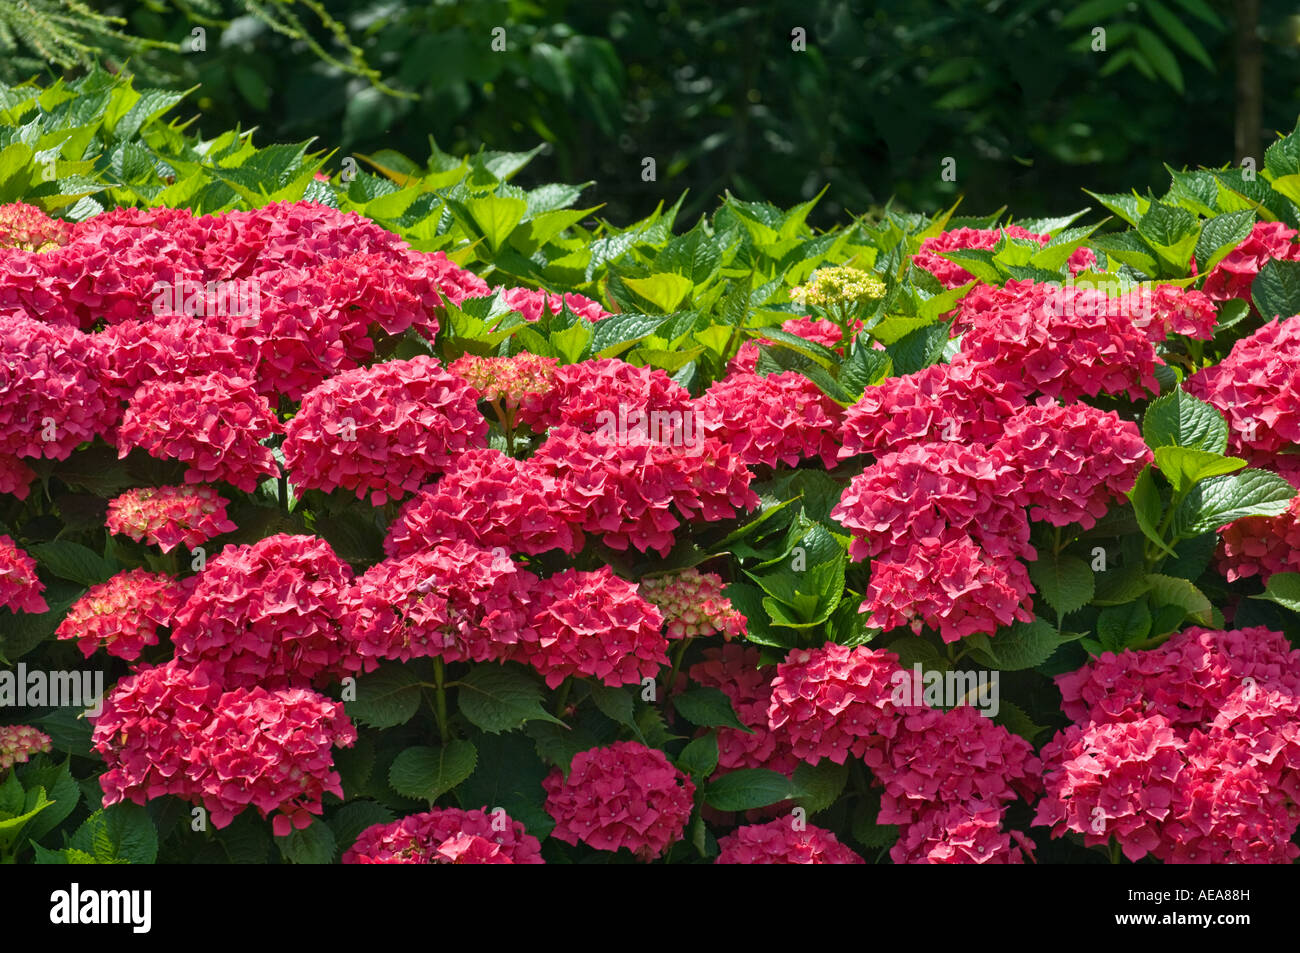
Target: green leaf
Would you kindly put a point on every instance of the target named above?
(1178, 419)
(313, 844)
(121, 834)
(699, 759)
(1147, 507)
(708, 708)
(919, 349)
(1219, 500)
(1066, 582)
(496, 216)
(69, 560)
(1172, 591)
(424, 774)
(822, 784)
(1185, 466)
(665, 291)
(1220, 235)
(1284, 589)
(496, 698)
(1160, 57)
(1023, 645)
(509, 775)
(571, 342)
(1276, 289)
(1119, 626)
(749, 788)
(388, 696)
(61, 789)
(353, 818)
(865, 367)
(615, 704)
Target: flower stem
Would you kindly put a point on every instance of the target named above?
(440, 699)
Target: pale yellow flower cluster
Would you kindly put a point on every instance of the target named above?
(838, 286)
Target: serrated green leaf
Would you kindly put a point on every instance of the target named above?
(424, 774)
(496, 698)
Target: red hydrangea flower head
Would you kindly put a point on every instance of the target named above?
(952, 275)
(777, 842)
(836, 702)
(270, 614)
(439, 837)
(782, 418)
(1234, 276)
(591, 393)
(693, 604)
(1112, 780)
(953, 757)
(489, 499)
(212, 423)
(958, 834)
(1261, 545)
(51, 393)
(1074, 460)
(15, 477)
(20, 588)
(593, 624)
(19, 742)
(453, 601)
(1177, 310)
(149, 729)
(124, 614)
(1257, 387)
(532, 303)
(949, 584)
(942, 402)
(170, 516)
(621, 796)
(926, 492)
(170, 350)
(383, 430)
(633, 492)
(27, 227)
(272, 750)
(733, 668)
(1061, 345)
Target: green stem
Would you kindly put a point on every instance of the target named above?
(562, 696)
(677, 664)
(440, 699)
(1114, 851)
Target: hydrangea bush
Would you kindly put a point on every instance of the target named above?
(413, 517)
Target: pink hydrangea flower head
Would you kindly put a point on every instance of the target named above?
(27, 227)
(782, 418)
(836, 702)
(693, 604)
(1261, 545)
(1075, 460)
(950, 584)
(272, 750)
(1257, 388)
(958, 834)
(489, 499)
(269, 614)
(636, 492)
(593, 624)
(603, 391)
(777, 842)
(925, 492)
(170, 350)
(453, 601)
(212, 423)
(15, 477)
(954, 757)
(532, 303)
(1112, 780)
(950, 274)
(124, 614)
(170, 516)
(624, 795)
(1059, 344)
(1234, 276)
(20, 588)
(383, 430)
(149, 729)
(506, 379)
(52, 397)
(447, 835)
(943, 402)
(19, 742)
